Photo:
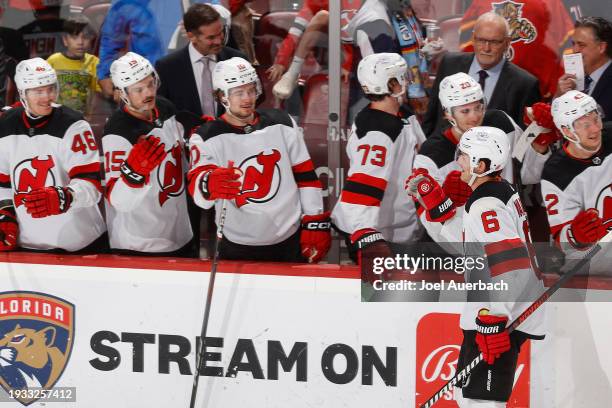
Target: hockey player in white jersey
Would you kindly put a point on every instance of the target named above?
(145, 167)
(464, 107)
(257, 161)
(49, 170)
(381, 149)
(495, 225)
(576, 180)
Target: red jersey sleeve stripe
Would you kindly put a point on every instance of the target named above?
(361, 199)
(5, 181)
(363, 178)
(510, 265)
(303, 167)
(505, 245)
(305, 176)
(555, 231)
(507, 255)
(85, 169)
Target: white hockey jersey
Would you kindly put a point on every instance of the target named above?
(437, 156)
(571, 185)
(57, 150)
(279, 183)
(495, 225)
(381, 149)
(152, 218)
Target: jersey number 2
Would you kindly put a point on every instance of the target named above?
(379, 154)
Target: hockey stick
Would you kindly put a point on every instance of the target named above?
(520, 319)
(209, 294)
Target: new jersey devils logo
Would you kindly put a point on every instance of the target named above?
(31, 174)
(604, 206)
(262, 178)
(170, 175)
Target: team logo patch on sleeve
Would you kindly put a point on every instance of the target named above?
(36, 339)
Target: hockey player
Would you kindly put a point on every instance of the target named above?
(381, 150)
(494, 224)
(145, 167)
(257, 161)
(576, 179)
(464, 107)
(49, 170)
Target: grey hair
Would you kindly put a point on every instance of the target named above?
(494, 17)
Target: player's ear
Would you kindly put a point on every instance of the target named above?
(481, 168)
(566, 132)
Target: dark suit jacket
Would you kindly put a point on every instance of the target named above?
(178, 81)
(515, 89)
(603, 92)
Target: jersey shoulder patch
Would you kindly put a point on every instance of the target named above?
(502, 190)
(374, 120)
(498, 119)
(439, 149)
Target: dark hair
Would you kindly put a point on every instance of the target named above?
(601, 28)
(77, 24)
(198, 15)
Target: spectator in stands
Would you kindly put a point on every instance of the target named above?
(506, 86)
(186, 74)
(12, 50)
(304, 34)
(43, 36)
(75, 68)
(129, 24)
(592, 38)
(243, 28)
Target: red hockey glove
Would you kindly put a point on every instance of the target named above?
(492, 336)
(430, 195)
(315, 238)
(541, 115)
(145, 155)
(221, 183)
(9, 230)
(47, 201)
(586, 228)
(456, 189)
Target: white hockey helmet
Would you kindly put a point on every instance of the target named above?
(130, 69)
(485, 142)
(569, 107)
(376, 70)
(232, 73)
(226, 17)
(34, 73)
(459, 89)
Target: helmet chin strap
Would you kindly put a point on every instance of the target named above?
(26, 106)
(577, 143)
(131, 107)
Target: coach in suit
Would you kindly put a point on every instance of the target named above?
(506, 86)
(592, 38)
(186, 73)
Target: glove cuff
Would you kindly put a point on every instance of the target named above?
(366, 237)
(131, 177)
(442, 212)
(318, 222)
(204, 185)
(490, 324)
(64, 198)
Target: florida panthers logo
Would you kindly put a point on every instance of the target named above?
(521, 29)
(262, 178)
(31, 174)
(36, 338)
(170, 175)
(604, 206)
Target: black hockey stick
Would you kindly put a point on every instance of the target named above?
(461, 375)
(211, 284)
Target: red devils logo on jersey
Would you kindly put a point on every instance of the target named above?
(31, 174)
(170, 175)
(261, 178)
(604, 206)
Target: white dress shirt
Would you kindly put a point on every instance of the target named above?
(196, 63)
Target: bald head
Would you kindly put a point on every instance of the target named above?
(491, 39)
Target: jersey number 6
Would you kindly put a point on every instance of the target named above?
(379, 154)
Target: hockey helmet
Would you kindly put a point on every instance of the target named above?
(459, 89)
(233, 73)
(376, 70)
(226, 17)
(485, 142)
(571, 106)
(34, 73)
(130, 69)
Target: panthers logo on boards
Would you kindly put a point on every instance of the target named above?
(36, 339)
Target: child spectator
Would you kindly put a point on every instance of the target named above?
(76, 69)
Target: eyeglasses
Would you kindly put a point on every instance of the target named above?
(493, 43)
